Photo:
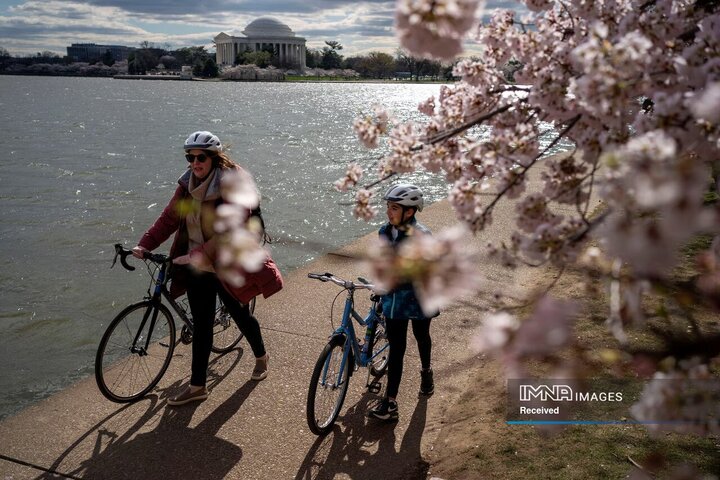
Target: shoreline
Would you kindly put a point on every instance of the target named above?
(223, 80)
(151, 77)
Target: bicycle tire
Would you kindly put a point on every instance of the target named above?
(124, 375)
(226, 333)
(379, 364)
(322, 412)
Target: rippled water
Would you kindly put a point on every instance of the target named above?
(90, 162)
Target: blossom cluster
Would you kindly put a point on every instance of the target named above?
(544, 334)
(238, 237)
(370, 128)
(440, 267)
(638, 101)
(352, 177)
(435, 28)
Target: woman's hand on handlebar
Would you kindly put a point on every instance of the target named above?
(139, 252)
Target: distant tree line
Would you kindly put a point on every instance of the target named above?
(147, 58)
(377, 64)
(140, 61)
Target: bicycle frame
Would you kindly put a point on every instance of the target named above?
(159, 292)
(362, 356)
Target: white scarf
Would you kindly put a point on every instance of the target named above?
(199, 194)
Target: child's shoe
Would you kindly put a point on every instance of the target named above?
(386, 410)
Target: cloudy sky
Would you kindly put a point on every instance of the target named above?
(30, 26)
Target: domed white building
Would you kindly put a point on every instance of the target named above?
(259, 34)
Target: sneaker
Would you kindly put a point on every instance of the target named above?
(386, 410)
(261, 368)
(427, 386)
(187, 396)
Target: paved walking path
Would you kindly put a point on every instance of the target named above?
(249, 430)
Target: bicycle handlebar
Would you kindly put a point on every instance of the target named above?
(329, 277)
(124, 252)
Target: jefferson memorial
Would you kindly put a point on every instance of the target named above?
(260, 34)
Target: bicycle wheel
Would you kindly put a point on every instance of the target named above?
(135, 351)
(381, 350)
(226, 333)
(328, 387)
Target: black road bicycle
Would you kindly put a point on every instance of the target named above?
(136, 349)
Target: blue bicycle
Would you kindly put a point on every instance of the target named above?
(343, 354)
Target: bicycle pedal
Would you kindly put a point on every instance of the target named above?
(374, 387)
(186, 335)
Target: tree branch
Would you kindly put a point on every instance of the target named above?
(525, 169)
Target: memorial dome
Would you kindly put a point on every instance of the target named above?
(267, 27)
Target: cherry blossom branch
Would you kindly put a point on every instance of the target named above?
(467, 125)
(590, 190)
(571, 30)
(378, 182)
(525, 169)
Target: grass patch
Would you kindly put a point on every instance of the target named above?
(489, 448)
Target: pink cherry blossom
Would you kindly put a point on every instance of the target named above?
(237, 237)
(495, 333)
(435, 28)
(684, 400)
(370, 128)
(707, 105)
(363, 209)
(439, 266)
(352, 177)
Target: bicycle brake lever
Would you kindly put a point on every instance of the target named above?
(118, 249)
(123, 257)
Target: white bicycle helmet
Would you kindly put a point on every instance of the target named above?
(203, 141)
(406, 194)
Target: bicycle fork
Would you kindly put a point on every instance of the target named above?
(143, 350)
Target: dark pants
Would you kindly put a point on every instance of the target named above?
(397, 338)
(201, 291)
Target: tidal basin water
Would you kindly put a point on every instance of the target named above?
(91, 162)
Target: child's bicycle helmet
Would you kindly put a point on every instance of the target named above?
(405, 194)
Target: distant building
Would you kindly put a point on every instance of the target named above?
(91, 52)
(258, 35)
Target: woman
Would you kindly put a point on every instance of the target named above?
(190, 216)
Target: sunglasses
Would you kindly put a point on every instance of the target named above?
(200, 157)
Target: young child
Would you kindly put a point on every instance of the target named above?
(400, 305)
